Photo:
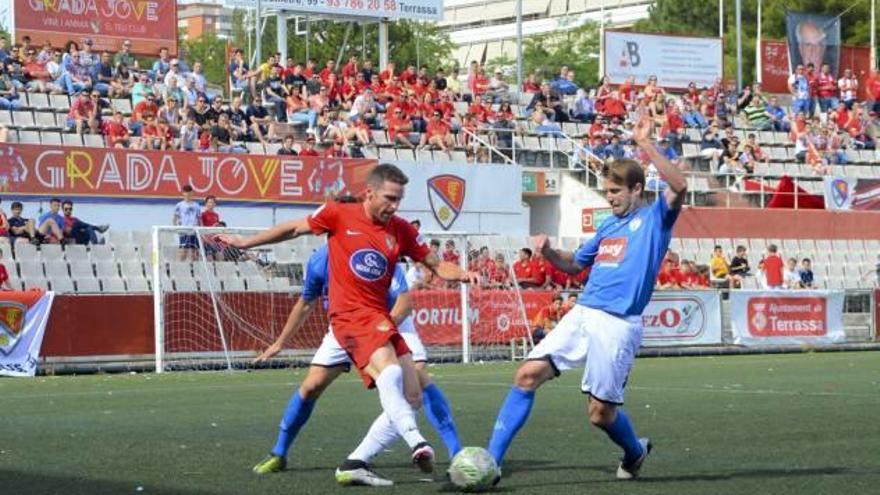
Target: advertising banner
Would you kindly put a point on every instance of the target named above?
(813, 39)
(775, 68)
(424, 10)
(40, 170)
(149, 24)
(592, 218)
(787, 317)
(23, 317)
(682, 318)
(676, 61)
(848, 193)
(540, 183)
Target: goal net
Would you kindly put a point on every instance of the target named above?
(218, 307)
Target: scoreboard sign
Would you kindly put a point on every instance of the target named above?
(421, 10)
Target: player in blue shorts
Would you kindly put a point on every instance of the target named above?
(603, 331)
(330, 360)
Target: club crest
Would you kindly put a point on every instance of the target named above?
(11, 324)
(446, 197)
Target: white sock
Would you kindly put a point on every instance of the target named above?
(400, 413)
(381, 436)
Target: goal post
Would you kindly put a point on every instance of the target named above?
(217, 307)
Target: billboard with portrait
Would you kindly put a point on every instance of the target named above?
(813, 39)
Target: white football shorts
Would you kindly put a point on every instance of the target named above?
(604, 344)
(331, 354)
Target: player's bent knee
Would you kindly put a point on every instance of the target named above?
(533, 374)
(602, 414)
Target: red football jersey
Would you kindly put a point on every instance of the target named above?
(363, 254)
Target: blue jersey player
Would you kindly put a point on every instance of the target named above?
(330, 360)
(603, 331)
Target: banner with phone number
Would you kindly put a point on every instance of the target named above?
(423, 10)
(23, 317)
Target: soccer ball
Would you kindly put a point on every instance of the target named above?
(473, 469)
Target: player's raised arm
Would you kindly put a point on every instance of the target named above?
(281, 232)
(449, 271)
(563, 260)
(675, 180)
(297, 316)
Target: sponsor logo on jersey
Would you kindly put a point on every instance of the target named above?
(612, 250)
(368, 264)
(787, 317)
(11, 324)
(446, 197)
(634, 224)
(384, 326)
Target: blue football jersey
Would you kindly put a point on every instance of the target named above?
(626, 254)
(316, 282)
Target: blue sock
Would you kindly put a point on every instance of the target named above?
(621, 432)
(439, 414)
(295, 416)
(512, 416)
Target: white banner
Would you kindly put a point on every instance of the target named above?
(682, 318)
(23, 318)
(468, 198)
(676, 60)
(787, 317)
(424, 10)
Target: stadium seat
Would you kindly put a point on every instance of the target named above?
(46, 121)
(249, 269)
(100, 252)
(93, 140)
(132, 269)
(233, 284)
(126, 252)
(257, 284)
(89, 285)
(280, 284)
(424, 156)
(62, 285)
(106, 268)
(122, 104)
(35, 283)
(10, 267)
(185, 284)
(406, 155)
(137, 284)
(141, 237)
(28, 136)
(39, 101)
(51, 137)
(387, 154)
(272, 148)
(75, 252)
(119, 237)
(60, 103)
(226, 269)
(30, 269)
(56, 269)
(51, 252)
(180, 269)
(256, 148)
(112, 285)
(81, 269)
(75, 140)
(6, 119)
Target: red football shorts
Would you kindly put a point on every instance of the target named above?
(362, 333)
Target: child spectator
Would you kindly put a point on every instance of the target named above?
(50, 224)
(547, 319)
(806, 274)
(187, 214)
(773, 268)
(670, 277)
(20, 226)
(791, 276)
(739, 267)
(209, 217)
(718, 265)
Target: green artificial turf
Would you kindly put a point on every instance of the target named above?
(774, 424)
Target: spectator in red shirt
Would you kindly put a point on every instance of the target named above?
(524, 269)
(117, 133)
(498, 272)
(351, 68)
(82, 112)
(399, 128)
(438, 134)
(542, 269)
(4, 276)
(336, 150)
(773, 268)
(669, 277)
(210, 218)
(308, 148)
(547, 319)
(386, 75)
(450, 254)
(75, 230)
(330, 68)
(827, 89)
(531, 84)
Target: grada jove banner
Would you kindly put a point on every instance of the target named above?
(23, 317)
(682, 318)
(787, 317)
(149, 24)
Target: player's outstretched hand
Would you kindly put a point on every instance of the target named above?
(540, 242)
(268, 354)
(231, 240)
(471, 278)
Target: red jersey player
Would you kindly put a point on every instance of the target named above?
(365, 240)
